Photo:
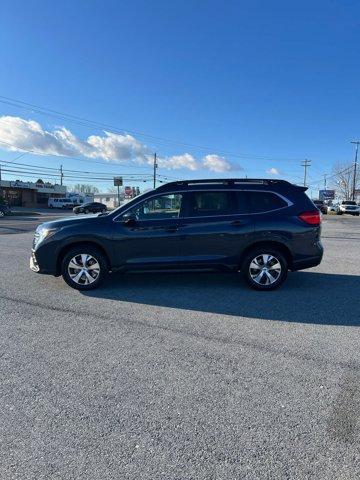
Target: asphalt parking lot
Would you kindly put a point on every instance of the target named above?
(180, 376)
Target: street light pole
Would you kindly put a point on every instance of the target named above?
(305, 164)
(357, 142)
(155, 167)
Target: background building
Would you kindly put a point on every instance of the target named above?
(29, 194)
(108, 199)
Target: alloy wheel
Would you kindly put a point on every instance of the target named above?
(84, 269)
(265, 269)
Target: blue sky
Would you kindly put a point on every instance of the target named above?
(269, 83)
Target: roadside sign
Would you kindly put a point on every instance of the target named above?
(118, 181)
(326, 194)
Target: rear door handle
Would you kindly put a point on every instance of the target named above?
(175, 228)
(236, 223)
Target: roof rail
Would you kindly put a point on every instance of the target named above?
(224, 181)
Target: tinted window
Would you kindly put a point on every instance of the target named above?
(265, 202)
(158, 208)
(242, 202)
(211, 203)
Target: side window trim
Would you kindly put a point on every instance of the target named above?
(184, 203)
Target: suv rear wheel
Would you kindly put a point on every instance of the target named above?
(84, 268)
(265, 268)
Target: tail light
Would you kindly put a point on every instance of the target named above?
(311, 218)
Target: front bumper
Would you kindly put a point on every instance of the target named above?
(33, 263)
(43, 261)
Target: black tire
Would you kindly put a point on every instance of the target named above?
(86, 211)
(339, 213)
(95, 254)
(51, 206)
(256, 253)
(2, 213)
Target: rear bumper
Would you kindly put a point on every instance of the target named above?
(309, 261)
(306, 263)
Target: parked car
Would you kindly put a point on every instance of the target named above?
(262, 228)
(4, 210)
(350, 207)
(93, 207)
(321, 206)
(64, 203)
(333, 207)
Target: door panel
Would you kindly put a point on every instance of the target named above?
(147, 242)
(214, 231)
(153, 238)
(214, 240)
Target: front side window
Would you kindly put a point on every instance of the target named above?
(205, 204)
(265, 202)
(158, 208)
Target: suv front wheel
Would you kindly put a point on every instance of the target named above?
(84, 268)
(265, 269)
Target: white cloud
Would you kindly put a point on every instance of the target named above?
(273, 171)
(179, 161)
(23, 135)
(18, 134)
(215, 163)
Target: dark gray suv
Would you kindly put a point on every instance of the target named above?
(262, 228)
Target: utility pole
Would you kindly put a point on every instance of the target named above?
(61, 175)
(306, 163)
(324, 181)
(355, 167)
(0, 173)
(155, 167)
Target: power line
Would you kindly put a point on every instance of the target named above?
(113, 129)
(68, 157)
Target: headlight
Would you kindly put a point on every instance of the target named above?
(41, 233)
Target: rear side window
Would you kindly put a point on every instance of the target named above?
(205, 204)
(264, 202)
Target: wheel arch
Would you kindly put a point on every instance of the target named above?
(284, 249)
(77, 243)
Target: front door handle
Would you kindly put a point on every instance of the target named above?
(236, 223)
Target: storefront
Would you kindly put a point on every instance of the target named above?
(29, 194)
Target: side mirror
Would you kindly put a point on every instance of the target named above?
(129, 218)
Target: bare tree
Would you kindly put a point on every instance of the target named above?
(342, 179)
(85, 188)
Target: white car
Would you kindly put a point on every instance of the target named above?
(64, 203)
(333, 208)
(350, 207)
